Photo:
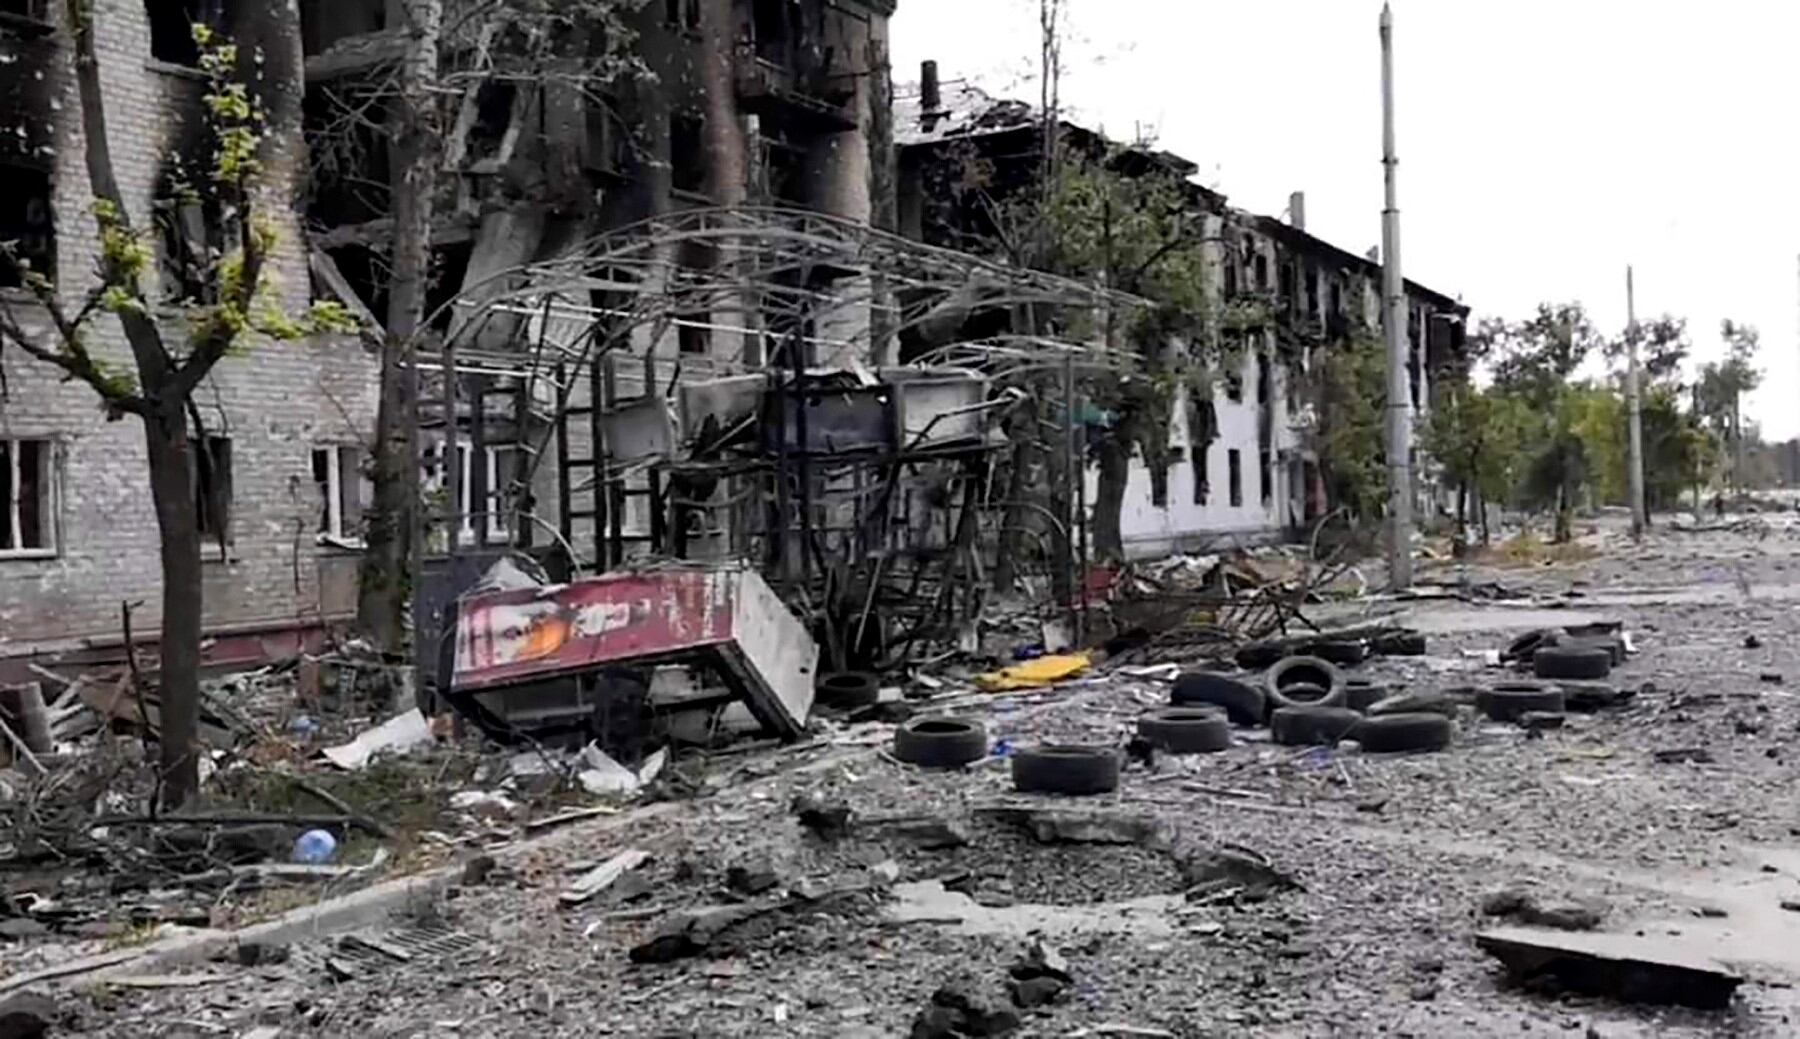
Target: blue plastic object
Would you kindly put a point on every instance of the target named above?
(315, 848)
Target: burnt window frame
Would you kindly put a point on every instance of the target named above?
(179, 49)
(12, 502)
(43, 262)
(212, 488)
(1265, 476)
(34, 19)
(1234, 463)
(1202, 477)
(689, 129)
(345, 494)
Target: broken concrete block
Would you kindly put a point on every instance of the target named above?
(1625, 967)
(1217, 872)
(927, 834)
(828, 820)
(751, 880)
(1522, 906)
(963, 1013)
(1035, 992)
(1042, 961)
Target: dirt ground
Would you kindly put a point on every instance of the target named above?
(1394, 855)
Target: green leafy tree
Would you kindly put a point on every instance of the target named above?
(1475, 435)
(169, 358)
(1533, 362)
(1719, 393)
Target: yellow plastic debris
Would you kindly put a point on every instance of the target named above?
(1034, 673)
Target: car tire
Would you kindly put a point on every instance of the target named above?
(1507, 701)
(1613, 644)
(1244, 704)
(1395, 733)
(1187, 730)
(848, 690)
(1580, 662)
(1312, 726)
(1362, 692)
(940, 742)
(1525, 645)
(1304, 673)
(1077, 771)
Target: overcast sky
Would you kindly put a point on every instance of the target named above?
(1543, 145)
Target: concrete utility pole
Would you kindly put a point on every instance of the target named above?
(1393, 293)
(1635, 463)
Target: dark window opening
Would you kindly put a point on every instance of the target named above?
(487, 138)
(449, 265)
(351, 176)
(1265, 477)
(773, 29)
(26, 224)
(1234, 386)
(1234, 462)
(1201, 451)
(687, 152)
(682, 14)
(324, 22)
(27, 504)
(1231, 276)
(1159, 486)
(608, 149)
(693, 336)
(212, 487)
(30, 10)
(172, 28)
(1312, 292)
(1260, 264)
(1265, 377)
(1289, 282)
(786, 168)
(1337, 298)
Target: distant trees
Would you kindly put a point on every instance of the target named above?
(1542, 436)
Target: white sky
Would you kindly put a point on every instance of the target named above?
(1543, 145)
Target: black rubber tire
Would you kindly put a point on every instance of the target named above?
(1573, 661)
(1312, 726)
(1399, 644)
(1304, 672)
(1394, 733)
(1342, 652)
(1362, 692)
(1244, 704)
(1593, 697)
(1525, 645)
(940, 742)
(847, 690)
(1187, 730)
(1076, 771)
(1613, 644)
(1507, 701)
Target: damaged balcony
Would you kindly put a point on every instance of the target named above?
(819, 101)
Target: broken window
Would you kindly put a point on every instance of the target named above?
(771, 24)
(682, 14)
(172, 28)
(1231, 275)
(1289, 283)
(27, 497)
(30, 10)
(1311, 278)
(1259, 264)
(25, 223)
(500, 467)
(1234, 386)
(692, 334)
(212, 487)
(1159, 486)
(502, 470)
(1234, 461)
(343, 493)
(1201, 477)
(687, 152)
(1265, 379)
(1265, 477)
(325, 22)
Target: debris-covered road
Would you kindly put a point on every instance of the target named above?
(1265, 889)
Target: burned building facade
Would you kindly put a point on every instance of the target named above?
(704, 103)
(1244, 460)
(78, 535)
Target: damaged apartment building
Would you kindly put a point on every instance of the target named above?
(78, 536)
(1245, 464)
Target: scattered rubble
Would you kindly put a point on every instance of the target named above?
(1623, 967)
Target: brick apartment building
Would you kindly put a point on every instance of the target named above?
(752, 101)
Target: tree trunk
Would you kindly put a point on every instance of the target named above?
(172, 492)
(1481, 509)
(1565, 525)
(385, 584)
(1109, 498)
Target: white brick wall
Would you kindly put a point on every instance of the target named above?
(275, 402)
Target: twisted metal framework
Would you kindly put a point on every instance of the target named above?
(881, 547)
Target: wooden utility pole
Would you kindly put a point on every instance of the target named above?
(1399, 402)
(1635, 463)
